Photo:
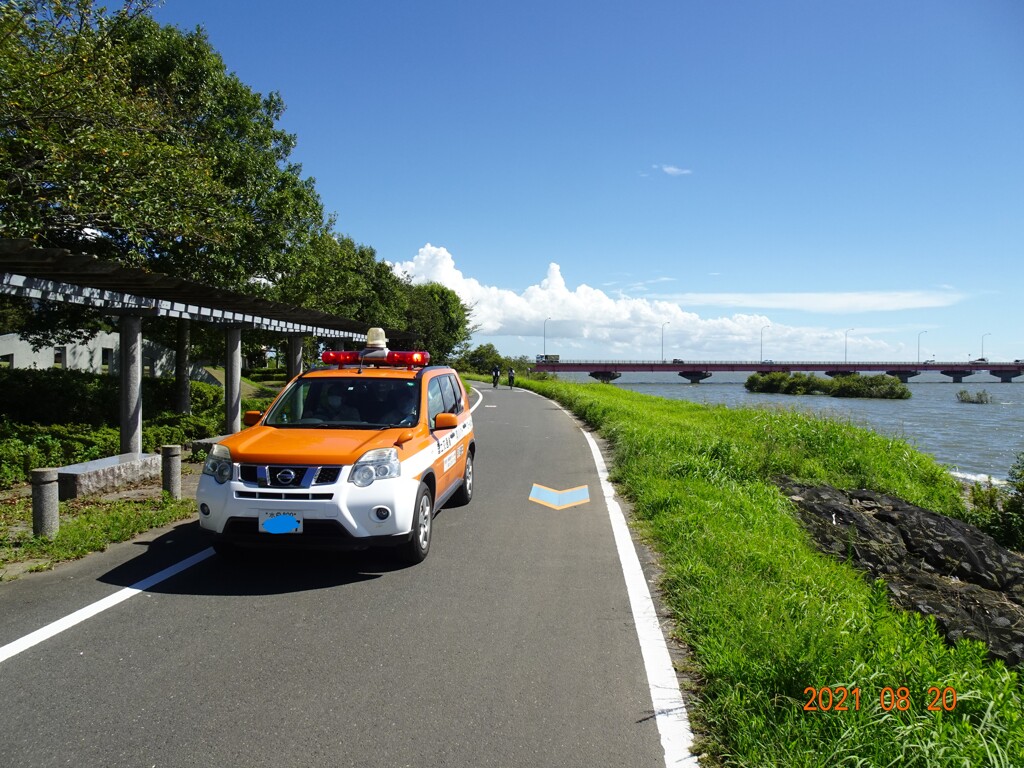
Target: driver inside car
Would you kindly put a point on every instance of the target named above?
(335, 408)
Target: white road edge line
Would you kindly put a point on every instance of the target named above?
(55, 628)
(669, 708)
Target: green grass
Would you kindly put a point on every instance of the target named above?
(765, 615)
(86, 525)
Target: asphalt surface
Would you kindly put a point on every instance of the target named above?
(513, 644)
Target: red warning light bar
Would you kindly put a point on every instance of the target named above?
(339, 358)
(413, 359)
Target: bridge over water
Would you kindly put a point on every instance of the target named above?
(698, 370)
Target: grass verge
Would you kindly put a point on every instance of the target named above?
(767, 617)
(86, 525)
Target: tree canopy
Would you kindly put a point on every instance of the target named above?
(439, 318)
(130, 140)
(83, 154)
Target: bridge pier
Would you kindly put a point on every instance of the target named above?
(1006, 377)
(957, 376)
(836, 374)
(605, 377)
(903, 376)
(695, 377)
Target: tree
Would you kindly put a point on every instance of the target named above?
(272, 213)
(482, 359)
(439, 319)
(341, 277)
(130, 140)
(86, 161)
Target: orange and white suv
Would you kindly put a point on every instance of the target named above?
(350, 457)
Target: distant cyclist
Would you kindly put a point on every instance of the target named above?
(511, 377)
(495, 375)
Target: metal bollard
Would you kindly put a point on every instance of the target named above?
(170, 469)
(45, 502)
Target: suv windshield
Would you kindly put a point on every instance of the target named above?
(347, 401)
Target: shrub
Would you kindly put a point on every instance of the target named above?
(981, 396)
(852, 385)
(999, 512)
(56, 417)
(59, 396)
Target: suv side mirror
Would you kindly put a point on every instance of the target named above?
(251, 417)
(446, 421)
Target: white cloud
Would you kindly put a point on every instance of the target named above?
(587, 323)
(672, 170)
(839, 302)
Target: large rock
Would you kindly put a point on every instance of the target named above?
(933, 564)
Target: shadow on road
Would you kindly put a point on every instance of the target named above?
(258, 572)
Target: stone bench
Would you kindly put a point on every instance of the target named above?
(206, 443)
(50, 485)
(110, 473)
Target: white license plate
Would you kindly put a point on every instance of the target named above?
(280, 521)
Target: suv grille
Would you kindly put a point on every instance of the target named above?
(290, 476)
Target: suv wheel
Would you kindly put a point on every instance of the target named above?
(422, 525)
(465, 493)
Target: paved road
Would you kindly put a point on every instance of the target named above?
(513, 644)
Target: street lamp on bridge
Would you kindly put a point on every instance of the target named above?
(983, 344)
(546, 336)
(846, 342)
(919, 346)
(663, 340)
(761, 355)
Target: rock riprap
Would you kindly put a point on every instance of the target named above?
(933, 564)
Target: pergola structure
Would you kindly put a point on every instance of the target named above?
(56, 274)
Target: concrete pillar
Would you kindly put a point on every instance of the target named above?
(233, 381)
(182, 368)
(45, 502)
(294, 356)
(695, 377)
(903, 376)
(131, 384)
(170, 469)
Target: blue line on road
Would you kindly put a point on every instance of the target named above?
(570, 497)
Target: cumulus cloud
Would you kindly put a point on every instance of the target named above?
(588, 323)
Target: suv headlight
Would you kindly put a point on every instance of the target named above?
(218, 464)
(377, 464)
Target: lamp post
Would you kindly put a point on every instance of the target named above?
(983, 343)
(663, 340)
(546, 336)
(761, 356)
(919, 346)
(846, 343)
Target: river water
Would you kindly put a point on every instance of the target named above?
(973, 440)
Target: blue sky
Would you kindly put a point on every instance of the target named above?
(850, 174)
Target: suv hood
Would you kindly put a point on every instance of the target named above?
(271, 445)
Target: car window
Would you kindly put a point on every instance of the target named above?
(335, 401)
(447, 394)
(457, 387)
(297, 402)
(435, 400)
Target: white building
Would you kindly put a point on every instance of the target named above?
(100, 355)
